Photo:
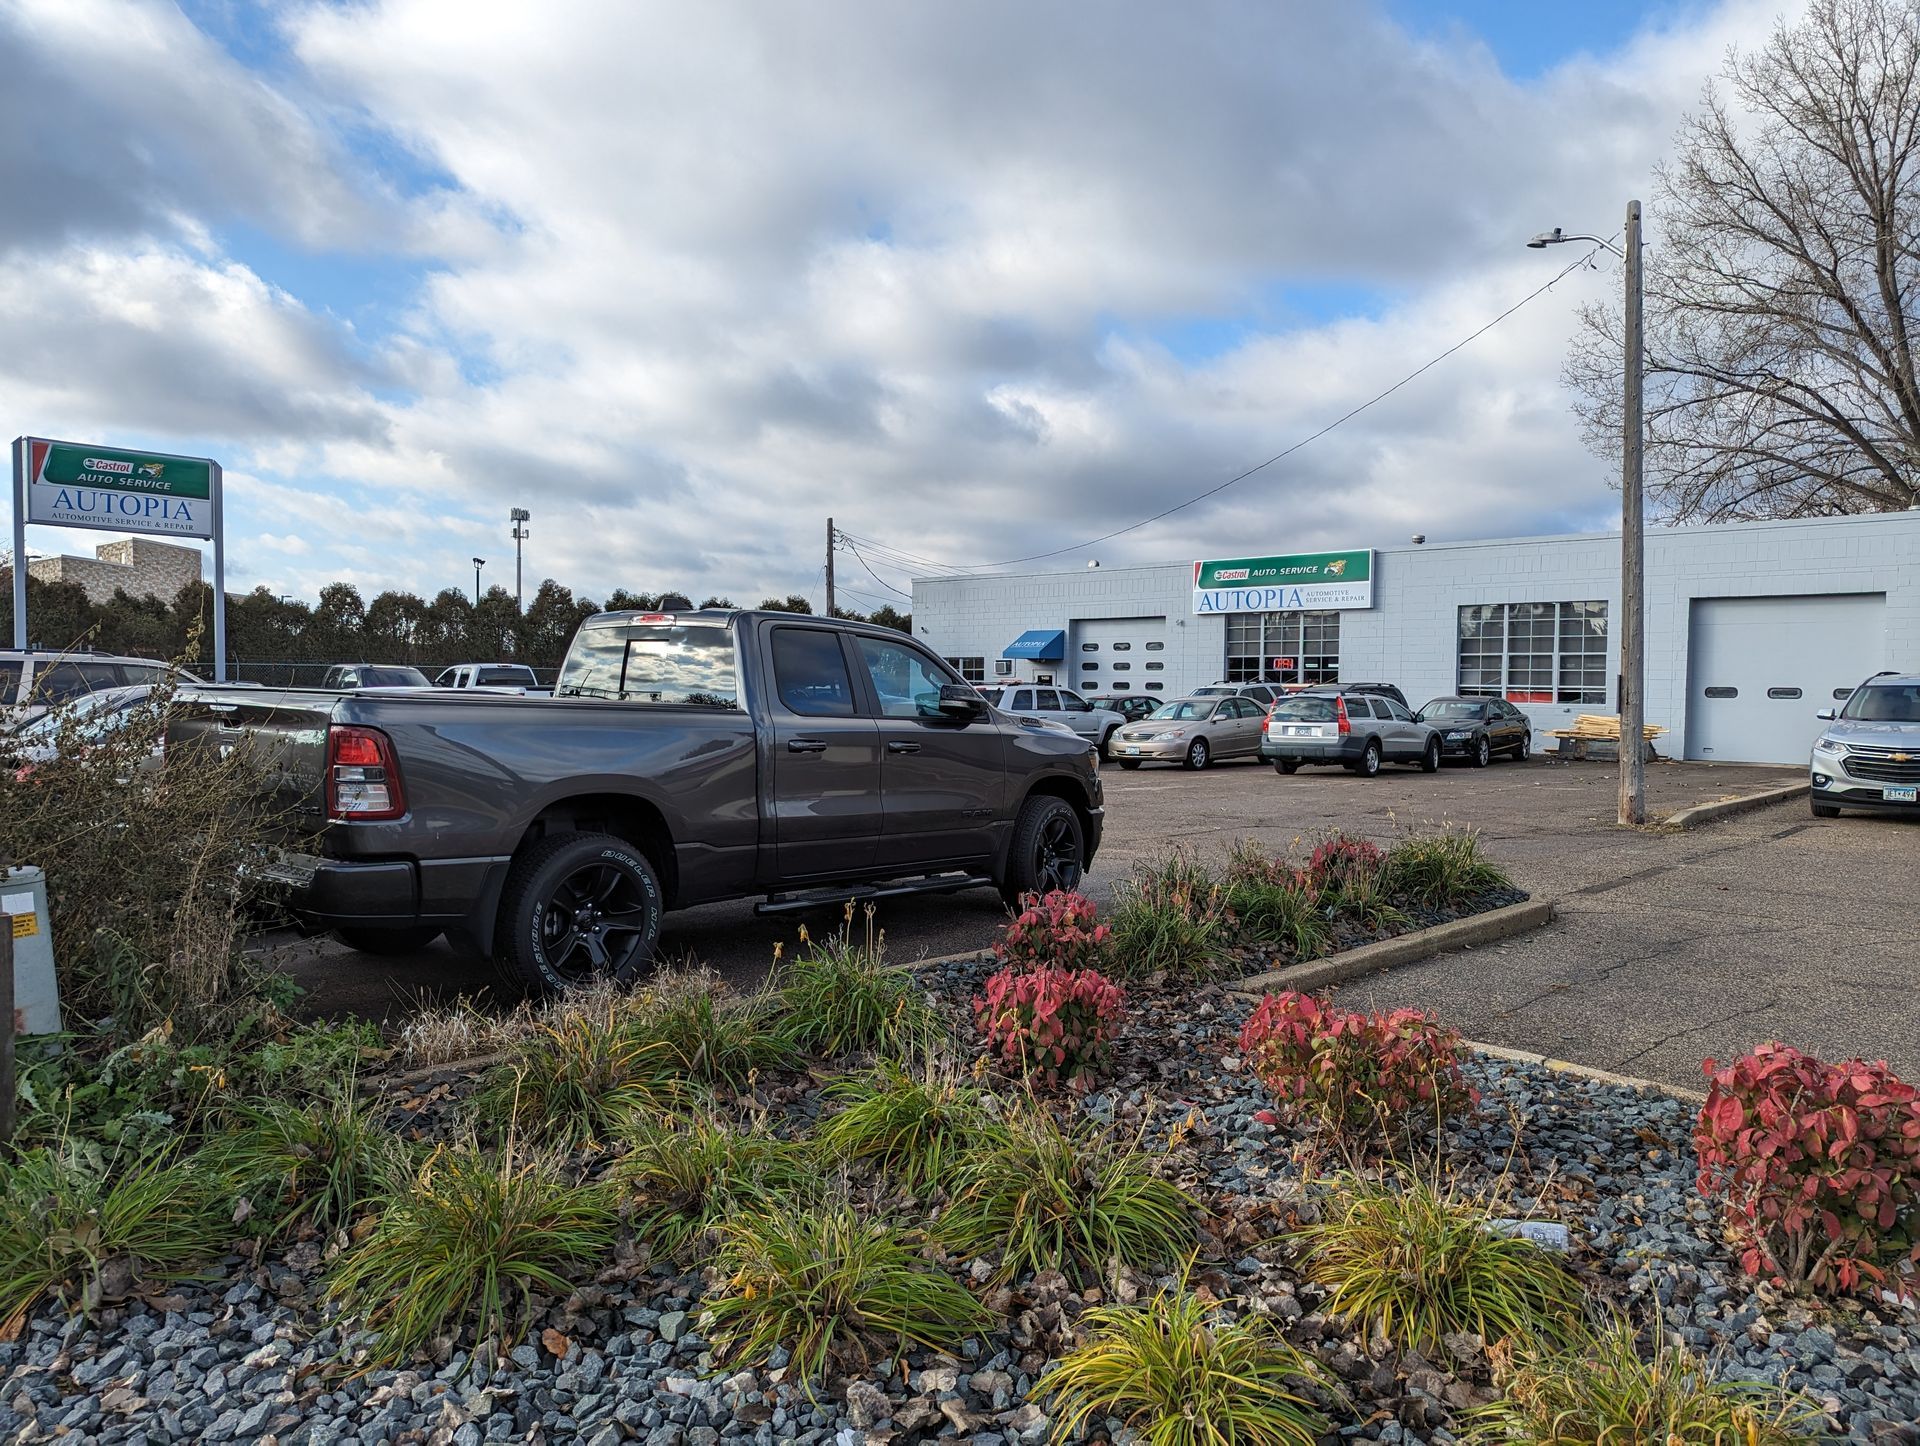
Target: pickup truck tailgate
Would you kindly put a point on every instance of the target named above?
(283, 732)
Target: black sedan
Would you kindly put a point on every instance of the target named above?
(1479, 729)
(1131, 706)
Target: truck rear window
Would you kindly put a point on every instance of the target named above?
(652, 664)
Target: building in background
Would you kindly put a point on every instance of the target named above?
(138, 566)
(1750, 627)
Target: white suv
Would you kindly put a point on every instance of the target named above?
(1869, 756)
(35, 680)
(1058, 705)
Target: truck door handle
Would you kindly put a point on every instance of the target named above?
(899, 745)
(806, 745)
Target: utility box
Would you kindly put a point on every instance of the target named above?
(36, 988)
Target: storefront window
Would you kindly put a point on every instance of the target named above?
(1535, 652)
(974, 670)
(1283, 648)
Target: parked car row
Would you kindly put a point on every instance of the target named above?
(1358, 726)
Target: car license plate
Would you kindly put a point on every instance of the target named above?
(1901, 793)
(1133, 749)
(1301, 732)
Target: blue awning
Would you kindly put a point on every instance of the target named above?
(1043, 645)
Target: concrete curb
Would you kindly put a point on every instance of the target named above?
(1402, 949)
(1585, 1071)
(1705, 813)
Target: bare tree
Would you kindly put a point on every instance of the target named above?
(1782, 283)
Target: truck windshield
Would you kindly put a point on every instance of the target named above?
(652, 664)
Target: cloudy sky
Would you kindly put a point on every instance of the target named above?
(980, 280)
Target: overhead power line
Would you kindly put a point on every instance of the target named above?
(1311, 437)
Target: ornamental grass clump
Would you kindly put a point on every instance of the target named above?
(307, 1167)
(1417, 1265)
(832, 1289)
(580, 1077)
(841, 997)
(685, 1176)
(1056, 930)
(1365, 1079)
(1046, 1197)
(1049, 1025)
(916, 1124)
(1445, 870)
(1178, 1372)
(1599, 1392)
(713, 1038)
(1816, 1166)
(468, 1240)
(1171, 917)
(87, 1230)
(1274, 903)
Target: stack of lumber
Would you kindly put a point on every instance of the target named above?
(1602, 728)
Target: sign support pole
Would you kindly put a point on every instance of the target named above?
(219, 574)
(20, 543)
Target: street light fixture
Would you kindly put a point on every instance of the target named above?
(520, 534)
(478, 563)
(1630, 683)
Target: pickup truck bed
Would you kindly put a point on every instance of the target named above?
(807, 759)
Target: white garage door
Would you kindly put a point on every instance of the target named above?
(1118, 655)
(1758, 668)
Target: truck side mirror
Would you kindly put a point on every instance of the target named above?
(959, 701)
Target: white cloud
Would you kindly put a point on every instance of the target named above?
(716, 271)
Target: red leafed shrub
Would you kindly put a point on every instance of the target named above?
(1049, 1024)
(1818, 1164)
(1358, 1076)
(1053, 931)
(1339, 862)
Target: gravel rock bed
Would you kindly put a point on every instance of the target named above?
(251, 1355)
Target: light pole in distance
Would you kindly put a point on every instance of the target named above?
(520, 534)
(478, 563)
(1630, 684)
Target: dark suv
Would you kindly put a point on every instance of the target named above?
(1357, 725)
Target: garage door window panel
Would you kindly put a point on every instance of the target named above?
(1283, 647)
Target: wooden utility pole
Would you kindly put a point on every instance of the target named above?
(829, 567)
(1633, 662)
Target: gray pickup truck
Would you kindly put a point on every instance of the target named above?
(685, 758)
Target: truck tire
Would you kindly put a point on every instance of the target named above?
(578, 908)
(1046, 850)
(388, 943)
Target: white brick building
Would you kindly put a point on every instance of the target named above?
(1750, 627)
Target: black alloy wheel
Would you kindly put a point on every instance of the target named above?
(1048, 850)
(578, 908)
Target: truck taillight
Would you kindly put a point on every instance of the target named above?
(1340, 715)
(363, 778)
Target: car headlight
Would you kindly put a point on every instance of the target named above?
(1824, 744)
(1457, 737)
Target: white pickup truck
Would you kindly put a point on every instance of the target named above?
(496, 677)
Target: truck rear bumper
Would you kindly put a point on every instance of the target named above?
(329, 891)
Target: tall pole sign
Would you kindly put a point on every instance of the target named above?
(111, 489)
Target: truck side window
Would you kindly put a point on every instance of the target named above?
(811, 674)
(908, 683)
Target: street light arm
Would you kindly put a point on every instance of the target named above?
(1556, 236)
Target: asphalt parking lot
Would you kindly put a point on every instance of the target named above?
(1669, 947)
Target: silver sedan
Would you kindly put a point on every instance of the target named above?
(1193, 732)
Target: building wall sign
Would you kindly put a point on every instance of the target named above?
(1296, 581)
